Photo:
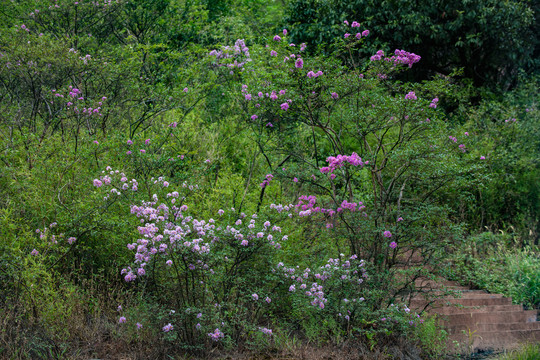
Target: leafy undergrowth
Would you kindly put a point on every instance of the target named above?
(493, 263)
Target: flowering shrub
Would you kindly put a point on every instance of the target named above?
(374, 198)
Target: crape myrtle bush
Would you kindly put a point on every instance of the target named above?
(362, 154)
(220, 280)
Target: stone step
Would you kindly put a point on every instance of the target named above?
(471, 319)
(495, 340)
(451, 310)
(437, 284)
(458, 329)
(415, 304)
(470, 294)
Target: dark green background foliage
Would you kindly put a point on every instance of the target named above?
(491, 39)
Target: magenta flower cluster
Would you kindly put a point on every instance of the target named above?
(404, 57)
(266, 180)
(312, 74)
(400, 57)
(339, 161)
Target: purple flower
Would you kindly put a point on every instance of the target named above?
(273, 53)
(139, 326)
(365, 33)
(186, 90)
(268, 300)
(299, 63)
(122, 320)
(97, 183)
(387, 234)
(358, 36)
(147, 141)
(303, 46)
(248, 96)
(393, 245)
(128, 152)
(277, 38)
(255, 297)
(346, 35)
(216, 335)
(129, 142)
(334, 95)
(34, 252)
(284, 32)
(284, 106)
(411, 96)
(143, 151)
(168, 327)
(254, 117)
(482, 157)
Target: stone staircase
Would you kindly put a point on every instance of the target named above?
(477, 320)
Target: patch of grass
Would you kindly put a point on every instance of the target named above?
(527, 352)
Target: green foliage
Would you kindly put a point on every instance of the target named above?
(432, 338)
(491, 262)
(526, 352)
(509, 198)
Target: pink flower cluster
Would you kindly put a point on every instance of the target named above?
(109, 176)
(239, 52)
(411, 96)
(400, 57)
(340, 160)
(404, 57)
(312, 74)
(267, 180)
(349, 271)
(217, 335)
(77, 104)
(47, 234)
